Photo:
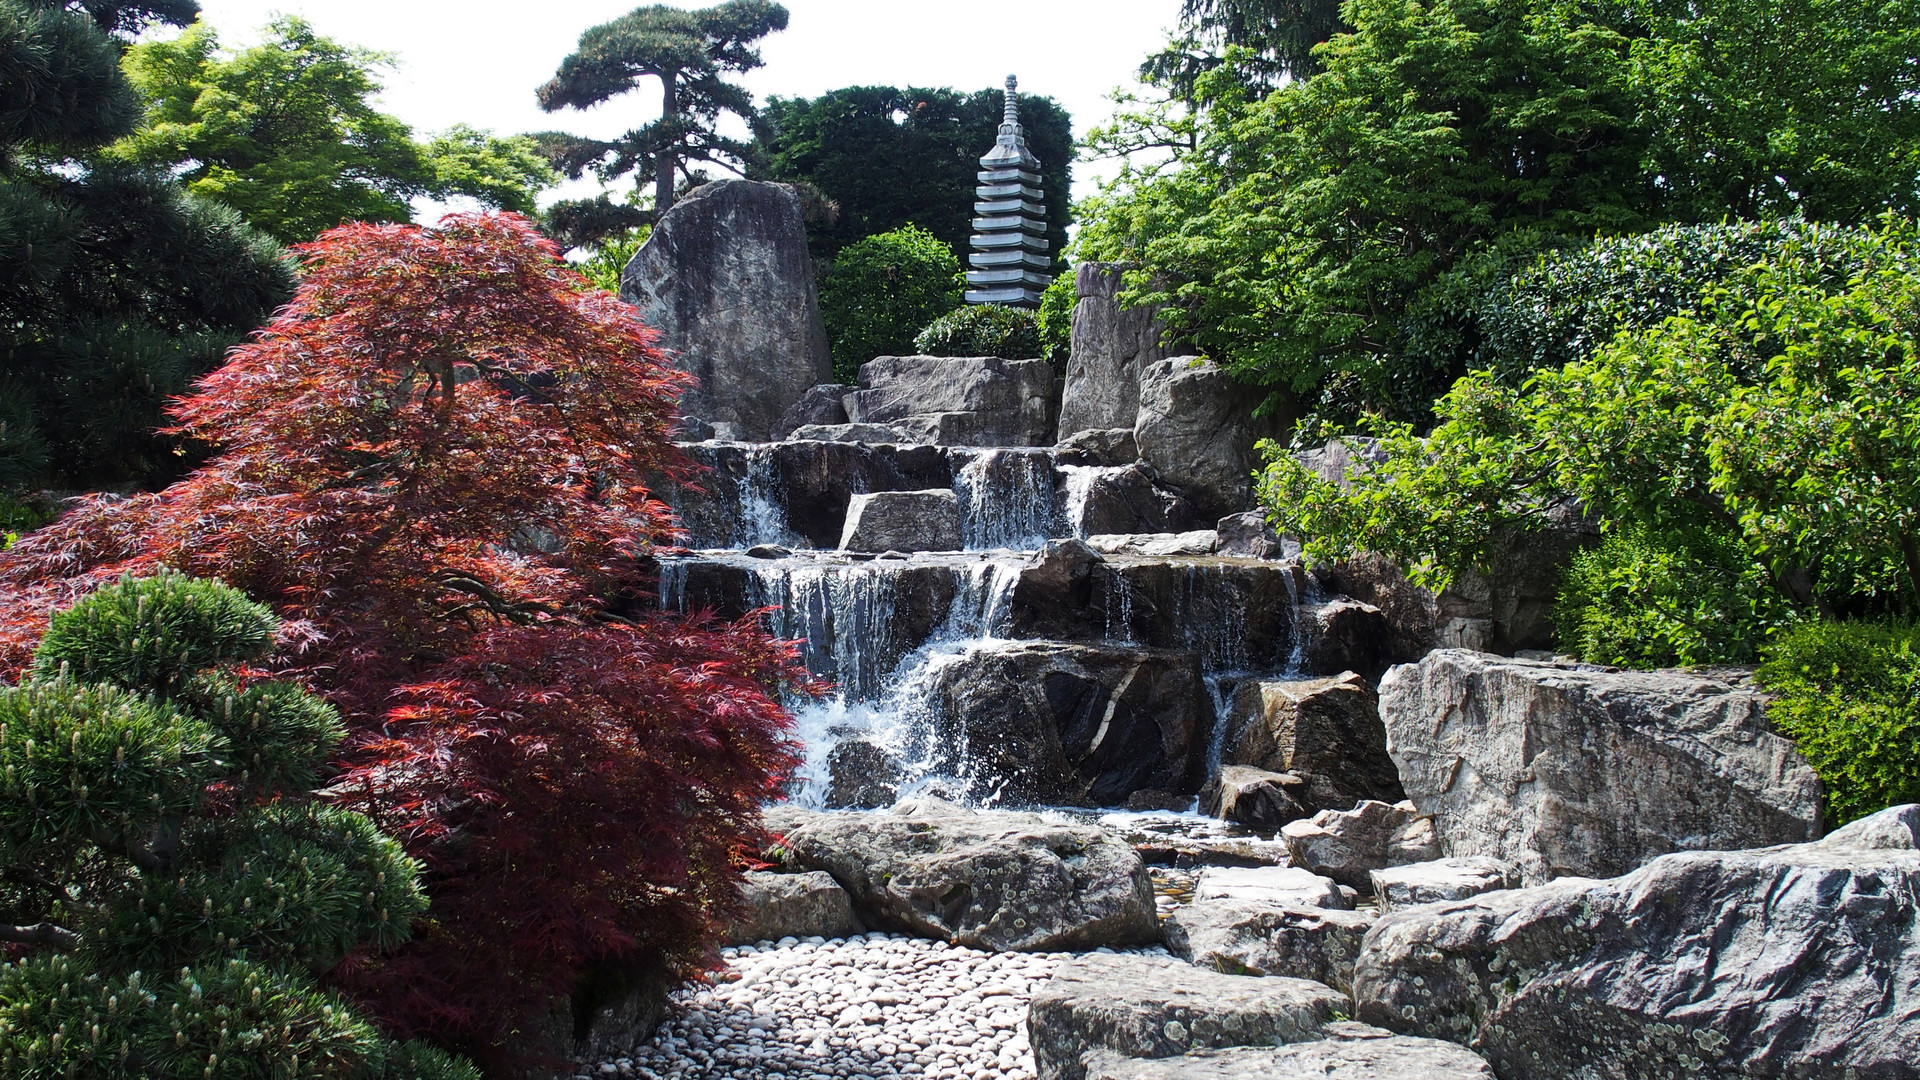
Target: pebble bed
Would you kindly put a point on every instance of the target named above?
(869, 1007)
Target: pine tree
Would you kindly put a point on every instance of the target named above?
(116, 288)
(172, 889)
(691, 53)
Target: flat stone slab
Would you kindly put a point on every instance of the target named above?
(1281, 886)
(794, 905)
(1245, 937)
(1164, 545)
(903, 521)
(1158, 1007)
(1348, 1052)
(1443, 879)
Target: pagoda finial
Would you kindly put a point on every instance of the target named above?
(1013, 101)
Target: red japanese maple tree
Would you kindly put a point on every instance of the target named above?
(434, 465)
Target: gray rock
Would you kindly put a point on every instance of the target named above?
(1348, 846)
(1326, 731)
(1122, 499)
(1250, 937)
(861, 776)
(1155, 1007)
(821, 406)
(1162, 545)
(1276, 886)
(1399, 887)
(847, 433)
(1250, 536)
(793, 905)
(1346, 635)
(1255, 798)
(1566, 770)
(1346, 1051)
(1111, 345)
(903, 521)
(1104, 446)
(727, 280)
(1795, 961)
(997, 881)
(1340, 460)
(769, 551)
(1196, 425)
(956, 400)
(1071, 724)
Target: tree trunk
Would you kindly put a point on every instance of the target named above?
(664, 163)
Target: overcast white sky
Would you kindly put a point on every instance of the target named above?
(478, 61)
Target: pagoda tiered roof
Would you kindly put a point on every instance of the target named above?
(1010, 252)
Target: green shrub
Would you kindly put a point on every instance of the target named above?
(1055, 319)
(1849, 695)
(881, 291)
(175, 890)
(983, 330)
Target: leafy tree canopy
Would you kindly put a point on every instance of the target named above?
(1275, 39)
(691, 54)
(286, 133)
(888, 158)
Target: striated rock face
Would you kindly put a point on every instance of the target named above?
(794, 905)
(1399, 887)
(1793, 961)
(1251, 937)
(1567, 770)
(1348, 846)
(823, 405)
(1088, 725)
(1101, 446)
(996, 881)
(903, 521)
(1255, 798)
(727, 281)
(1196, 425)
(1111, 345)
(1325, 731)
(1153, 1007)
(1124, 499)
(956, 400)
(1345, 1051)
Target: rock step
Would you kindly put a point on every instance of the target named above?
(1346, 1052)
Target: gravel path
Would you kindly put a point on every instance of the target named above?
(871, 1007)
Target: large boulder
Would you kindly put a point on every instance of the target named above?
(1345, 1051)
(727, 280)
(956, 400)
(1349, 845)
(1256, 798)
(1196, 425)
(1345, 635)
(1158, 1007)
(1003, 882)
(793, 905)
(1441, 880)
(1325, 731)
(1111, 345)
(1099, 446)
(1250, 536)
(1252, 937)
(1085, 725)
(821, 406)
(1567, 769)
(903, 521)
(1122, 499)
(1797, 961)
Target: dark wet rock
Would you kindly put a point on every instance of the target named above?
(1441, 880)
(903, 521)
(1252, 937)
(817, 480)
(1074, 724)
(997, 881)
(1157, 1007)
(1255, 798)
(956, 400)
(1325, 731)
(1348, 846)
(1124, 499)
(727, 280)
(1346, 635)
(1573, 770)
(1149, 799)
(1102, 446)
(1111, 344)
(1196, 425)
(1346, 1051)
(861, 776)
(1795, 961)
(768, 551)
(793, 905)
(822, 405)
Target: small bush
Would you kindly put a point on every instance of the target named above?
(881, 291)
(983, 330)
(1849, 694)
(1055, 319)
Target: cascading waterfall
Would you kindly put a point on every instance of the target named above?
(1008, 499)
(1077, 488)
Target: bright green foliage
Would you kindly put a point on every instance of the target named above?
(982, 330)
(1054, 320)
(882, 292)
(286, 133)
(1771, 442)
(116, 288)
(608, 258)
(161, 854)
(691, 53)
(887, 157)
(1849, 695)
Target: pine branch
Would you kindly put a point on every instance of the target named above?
(41, 933)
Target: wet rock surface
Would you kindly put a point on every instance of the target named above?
(1572, 770)
(1791, 961)
(903, 521)
(1153, 1007)
(1255, 798)
(1346, 1051)
(1124, 499)
(1254, 937)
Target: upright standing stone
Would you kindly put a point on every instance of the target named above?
(727, 281)
(1197, 426)
(1009, 259)
(1111, 345)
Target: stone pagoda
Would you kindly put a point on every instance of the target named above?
(1010, 252)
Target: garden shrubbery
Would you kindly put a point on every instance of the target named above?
(882, 291)
(1849, 695)
(983, 330)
